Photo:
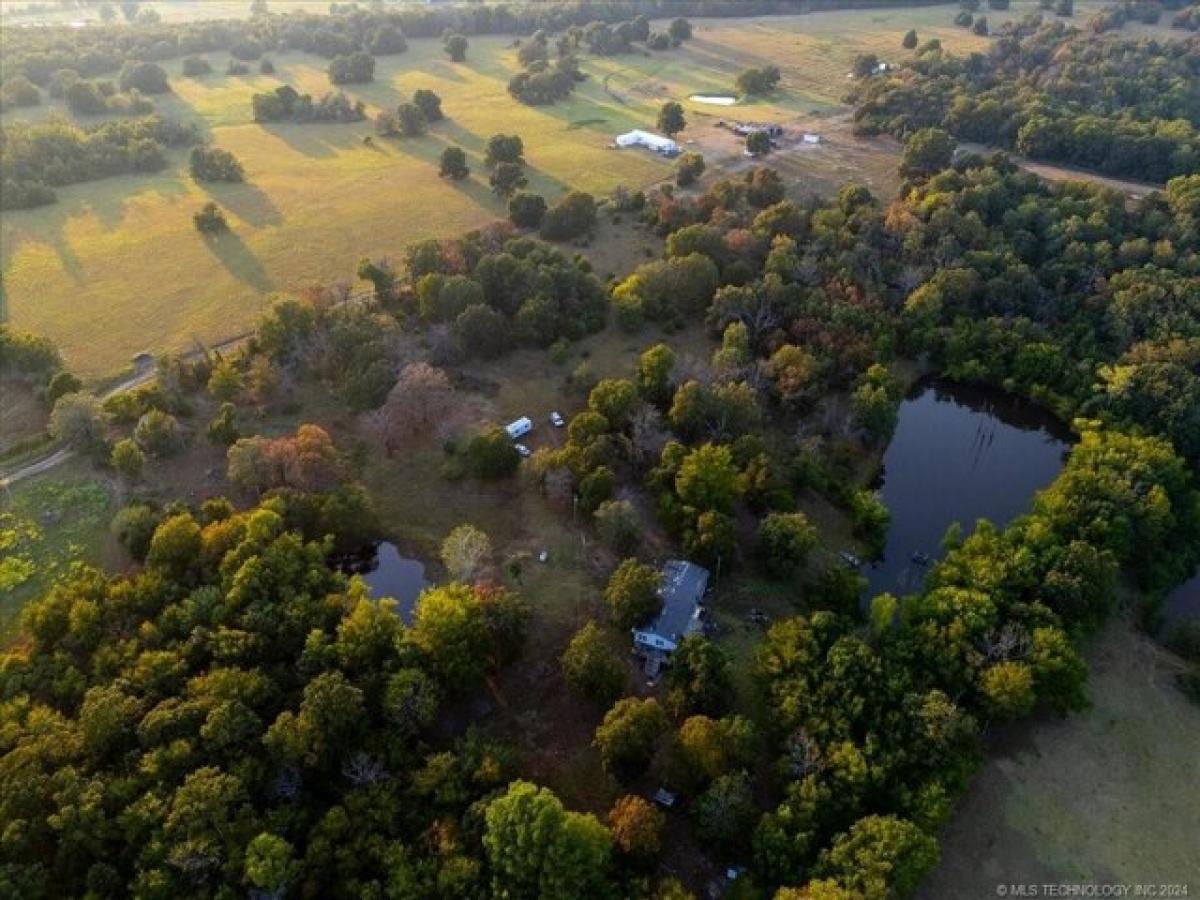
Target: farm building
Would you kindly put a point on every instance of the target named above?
(682, 590)
(663, 146)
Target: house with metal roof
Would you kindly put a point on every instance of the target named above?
(682, 592)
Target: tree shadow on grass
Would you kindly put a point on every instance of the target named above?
(239, 261)
(307, 137)
(247, 201)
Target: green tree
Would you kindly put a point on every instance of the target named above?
(785, 540)
(429, 103)
(881, 857)
(910, 39)
(507, 177)
(927, 152)
(157, 433)
(708, 479)
(175, 546)
(454, 164)
(758, 143)
(410, 120)
(1008, 689)
(590, 667)
(700, 679)
(655, 368)
(632, 594)
(225, 382)
(680, 30)
(526, 209)
(689, 168)
(504, 148)
(78, 421)
(490, 454)
(618, 524)
(456, 46)
(616, 399)
(725, 814)
(269, 864)
(629, 734)
(707, 748)
(671, 120)
(539, 851)
(210, 220)
(128, 459)
(483, 331)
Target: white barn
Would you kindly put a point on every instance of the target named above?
(656, 142)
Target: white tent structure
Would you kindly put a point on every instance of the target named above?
(659, 144)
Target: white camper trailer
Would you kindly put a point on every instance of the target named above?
(519, 428)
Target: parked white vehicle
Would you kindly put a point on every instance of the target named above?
(519, 428)
(523, 450)
(557, 420)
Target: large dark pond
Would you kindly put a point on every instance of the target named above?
(959, 454)
(1183, 603)
(389, 574)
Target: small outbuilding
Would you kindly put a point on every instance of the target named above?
(682, 592)
(663, 146)
(519, 428)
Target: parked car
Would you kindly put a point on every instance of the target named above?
(522, 449)
(557, 420)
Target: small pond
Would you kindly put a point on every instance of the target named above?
(959, 454)
(388, 574)
(1182, 604)
(714, 99)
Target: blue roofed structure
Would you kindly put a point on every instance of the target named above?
(682, 591)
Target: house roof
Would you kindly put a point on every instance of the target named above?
(682, 589)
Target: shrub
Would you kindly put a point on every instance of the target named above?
(571, 217)
(491, 454)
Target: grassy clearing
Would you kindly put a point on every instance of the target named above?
(48, 524)
(1107, 796)
(115, 267)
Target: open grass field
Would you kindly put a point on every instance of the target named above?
(46, 525)
(1106, 796)
(115, 267)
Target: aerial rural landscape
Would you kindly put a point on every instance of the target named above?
(571, 448)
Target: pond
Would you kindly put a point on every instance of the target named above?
(389, 574)
(959, 454)
(1182, 604)
(714, 99)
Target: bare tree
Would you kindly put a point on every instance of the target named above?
(467, 553)
(363, 769)
(420, 400)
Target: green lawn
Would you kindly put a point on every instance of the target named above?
(1107, 796)
(115, 267)
(46, 525)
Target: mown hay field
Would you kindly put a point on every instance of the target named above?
(116, 267)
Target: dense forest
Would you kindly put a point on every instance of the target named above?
(1120, 106)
